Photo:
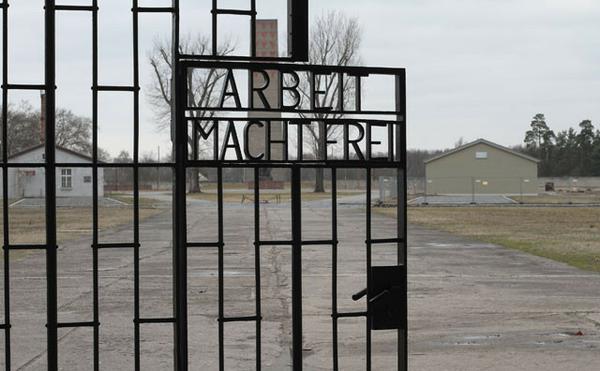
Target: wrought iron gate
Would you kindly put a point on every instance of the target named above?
(386, 292)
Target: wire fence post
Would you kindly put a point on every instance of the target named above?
(472, 190)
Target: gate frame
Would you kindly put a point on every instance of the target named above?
(396, 145)
(298, 24)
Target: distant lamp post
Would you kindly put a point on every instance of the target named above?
(521, 188)
(428, 181)
(573, 189)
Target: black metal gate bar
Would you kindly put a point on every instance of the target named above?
(50, 185)
(257, 281)
(95, 240)
(179, 135)
(334, 262)
(220, 268)
(368, 262)
(296, 210)
(401, 210)
(5, 224)
(136, 192)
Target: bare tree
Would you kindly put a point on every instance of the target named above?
(24, 127)
(334, 40)
(201, 88)
(25, 130)
(73, 132)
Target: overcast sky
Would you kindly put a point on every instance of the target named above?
(475, 68)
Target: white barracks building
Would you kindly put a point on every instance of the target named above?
(70, 181)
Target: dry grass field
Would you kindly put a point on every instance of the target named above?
(27, 225)
(567, 234)
(561, 198)
(238, 196)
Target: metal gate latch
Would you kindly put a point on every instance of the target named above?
(386, 298)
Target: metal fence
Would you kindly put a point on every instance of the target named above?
(386, 292)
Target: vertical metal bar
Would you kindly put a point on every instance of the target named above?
(220, 268)
(402, 228)
(95, 241)
(136, 192)
(50, 169)
(253, 29)
(334, 268)
(257, 265)
(195, 141)
(298, 30)
(368, 259)
(179, 198)
(296, 269)
(214, 27)
(5, 222)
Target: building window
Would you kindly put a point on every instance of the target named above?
(481, 155)
(65, 179)
(87, 179)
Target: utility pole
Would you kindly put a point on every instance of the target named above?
(521, 188)
(158, 171)
(472, 191)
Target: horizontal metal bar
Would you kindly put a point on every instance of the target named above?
(237, 58)
(303, 164)
(154, 320)
(318, 242)
(398, 119)
(204, 244)
(116, 88)
(341, 121)
(201, 61)
(25, 247)
(154, 9)
(3, 5)
(385, 240)
(116, 245)
(87, 8)
(24, 86)
(4, 327)
(123, 165)
(87, 164)
(233, 12)
(273, 243)
(240, 319)
(333, 164)
(349, 315)
(289, 242)
(77, 324)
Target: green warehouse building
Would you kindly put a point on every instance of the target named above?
(481, 167)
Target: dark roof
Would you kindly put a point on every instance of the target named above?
(61, 148)
(483, 141)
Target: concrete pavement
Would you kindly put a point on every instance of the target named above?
(473, 306)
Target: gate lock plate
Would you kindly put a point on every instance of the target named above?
(387, 298)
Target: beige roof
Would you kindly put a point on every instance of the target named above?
(483, 141)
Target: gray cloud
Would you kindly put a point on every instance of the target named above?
(476, 68)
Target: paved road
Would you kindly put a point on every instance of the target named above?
(473, 306)
(66, 202)
(462, 200)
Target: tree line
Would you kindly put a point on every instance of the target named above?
(571, 152)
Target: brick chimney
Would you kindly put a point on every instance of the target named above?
(42, 116)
